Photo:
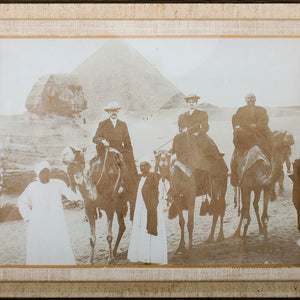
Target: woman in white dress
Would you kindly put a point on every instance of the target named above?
(40, 205)
(148, 243)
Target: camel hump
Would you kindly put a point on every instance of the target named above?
(249, 158)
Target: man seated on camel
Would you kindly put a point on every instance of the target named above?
(250, 125)
(114, 133)
(192, 146)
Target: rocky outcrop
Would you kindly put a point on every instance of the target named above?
(56, 93)
(24, 143)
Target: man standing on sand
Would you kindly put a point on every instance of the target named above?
(114, 133)
(250, 125)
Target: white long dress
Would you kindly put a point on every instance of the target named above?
(143, 246)
(48, 241)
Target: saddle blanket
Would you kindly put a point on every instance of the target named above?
(187, 171)
(249, 158)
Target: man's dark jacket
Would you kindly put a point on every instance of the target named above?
(118, 138)
(248, 137)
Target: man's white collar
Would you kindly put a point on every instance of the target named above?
(114, 121)
(191, 111)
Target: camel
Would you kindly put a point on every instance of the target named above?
(185, 187)
(101, 186)
(256, 174)
(282, 141)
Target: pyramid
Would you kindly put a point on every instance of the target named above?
(118, 72)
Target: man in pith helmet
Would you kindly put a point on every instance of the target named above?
(114, 133)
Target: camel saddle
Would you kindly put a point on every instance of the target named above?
(247, 158)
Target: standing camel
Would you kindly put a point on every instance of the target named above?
(101, 186)
(282, 142)
(185, 187)
(256, 174)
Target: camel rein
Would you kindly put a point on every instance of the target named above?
(170, 140)
(104, 164)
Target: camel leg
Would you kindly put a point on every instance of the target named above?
(246, 211)
(190, 224)
(213, 227)
(256, 209)
(235, 196)
(122, 228)
(280, 181)
(265, 217)
(267, 196)
(221, 233)
(181, 247)
(109, 237)
(92, 222)
(237, 233)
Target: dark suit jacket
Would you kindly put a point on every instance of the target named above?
(197, 117)
(244, 117)
(118, 138)
(150, 196)
(247, 137)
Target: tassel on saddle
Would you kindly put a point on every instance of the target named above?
(205, 207)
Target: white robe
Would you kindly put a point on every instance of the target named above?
(143, 246)
(48, 241)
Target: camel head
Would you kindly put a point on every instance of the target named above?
(73, 157)
(162, 162)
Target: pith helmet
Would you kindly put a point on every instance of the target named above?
(112, 106)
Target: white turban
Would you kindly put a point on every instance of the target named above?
(145, 159)
(41, 166)
(250, 95)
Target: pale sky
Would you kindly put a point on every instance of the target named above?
(221, 71)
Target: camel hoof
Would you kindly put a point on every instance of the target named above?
(236, 235)
(261, 230)
(210, 239)
(111, 261)
(181, 249)
(188, 253)
(220, 238)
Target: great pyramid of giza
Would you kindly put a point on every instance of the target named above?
(118, 72)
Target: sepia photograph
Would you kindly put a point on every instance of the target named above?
(150, 151)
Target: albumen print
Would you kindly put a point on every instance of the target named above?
(149, 151)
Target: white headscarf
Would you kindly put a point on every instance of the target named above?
(41, 166)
